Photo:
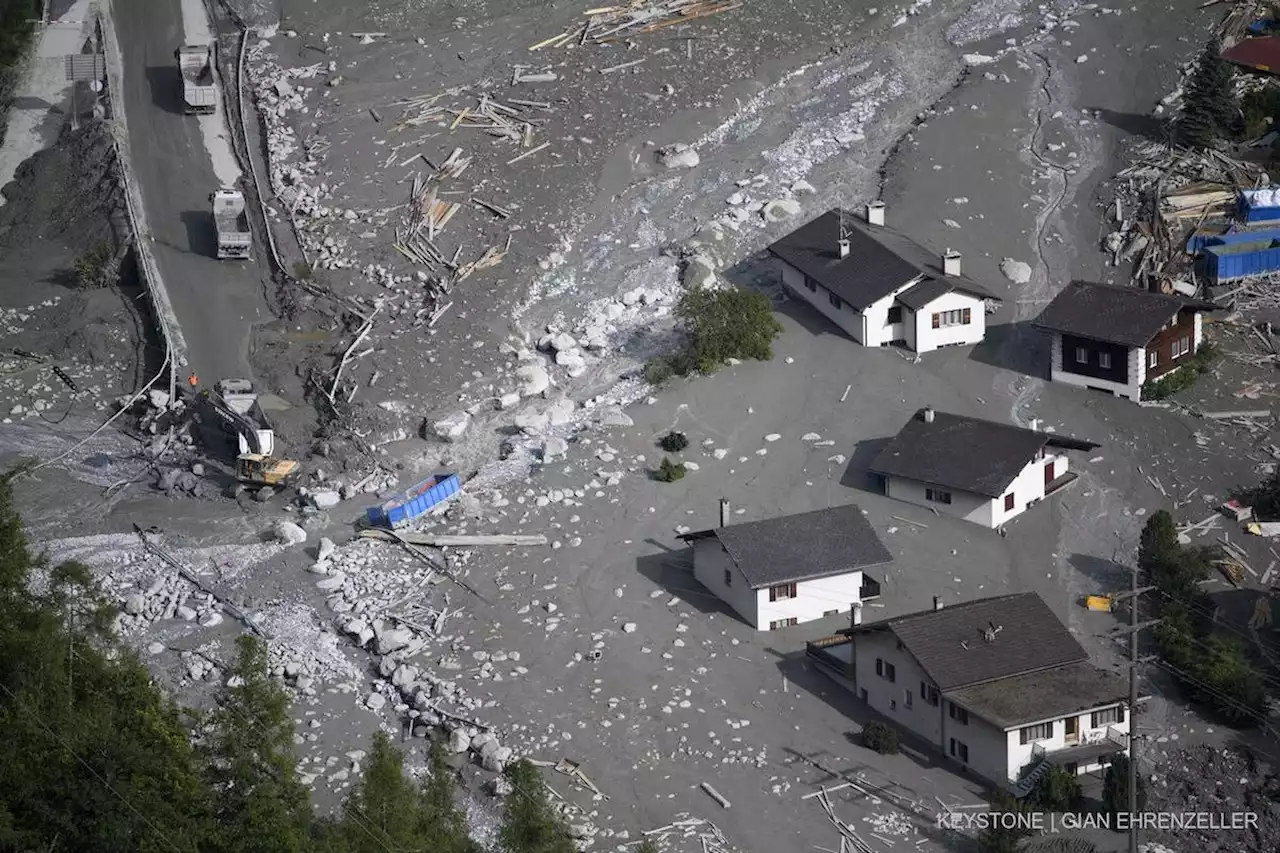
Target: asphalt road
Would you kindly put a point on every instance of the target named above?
(216, 302)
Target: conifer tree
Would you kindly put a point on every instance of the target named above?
(1209, 109)
(528, 823)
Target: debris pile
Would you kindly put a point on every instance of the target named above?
(613, 23)
(1219, 781)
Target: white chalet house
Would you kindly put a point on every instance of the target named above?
(796, 568)
(979, 470)
(998, 685)
(879, 285)
(1111, 338)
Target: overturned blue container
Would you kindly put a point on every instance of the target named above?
(1242, 260)
(412, 503)
(1260, 205)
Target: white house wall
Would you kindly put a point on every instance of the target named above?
(845, 317)
(710, 561)
(1028, 486)
(970, 507)
(988, 745)
(1131, 391)
(814, 599)
(889, 698)
(928, 338)
(1019, 754)
(880, 332)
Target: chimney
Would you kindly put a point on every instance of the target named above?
(725, 512)
(937, 603)
(844, 247)
(1034, 425)
(951, 262)
(928, 414)
(875, 213)
(855, 614)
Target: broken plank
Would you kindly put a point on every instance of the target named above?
(1247, 413)
(442, 540)
(619, 67)
(528, 153)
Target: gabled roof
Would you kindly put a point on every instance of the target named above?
(1045, 695)
(1127, 316)
(966, 454)
(807, 546)
(919, 295)
(950, 646)
(880, 259)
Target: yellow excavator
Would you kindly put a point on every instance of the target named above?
(236, 405)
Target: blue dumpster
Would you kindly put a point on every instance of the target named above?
(414, 502)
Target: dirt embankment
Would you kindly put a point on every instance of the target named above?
(69, 289)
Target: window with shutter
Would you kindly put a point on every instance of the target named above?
(937, 320)
(968, 316)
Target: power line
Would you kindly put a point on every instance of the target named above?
(1133, 630)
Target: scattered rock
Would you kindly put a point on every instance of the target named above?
(327, 548)
(781, 209)
(616, 417)
(135, 604)
(534, 379)
(629, 627)
(375, 701)
(459, 742)
(327, 499)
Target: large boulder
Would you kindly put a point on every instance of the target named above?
(534, 379)
(288, 533)
(451, 426)
(1018, 272)
(393, 640)
(459, 742)
(326, 499)
(678, 156)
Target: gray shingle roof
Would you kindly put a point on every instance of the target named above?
(880, 259)
(1127, 316)
(950, 647)
(966, 454)
(1037, 696)
(801, 547)
(919, 295)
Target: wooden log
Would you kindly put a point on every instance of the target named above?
(445, 540)
(716, 795)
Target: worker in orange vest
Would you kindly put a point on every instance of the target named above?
(192, 380)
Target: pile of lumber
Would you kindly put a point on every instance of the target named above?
(513, 122)
(610, 23)
(426, 210)
(1198, 200)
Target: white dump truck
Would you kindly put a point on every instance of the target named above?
(199, 90)
(232, 224)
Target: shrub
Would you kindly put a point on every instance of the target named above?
(881, 738)
(1260, 108)
(674, 442)
(302, 270)
(1057, 791)
(1115, 788)
(720, 325)
(94, 268)
(1171, 383)
(658, 370)
(668, 471)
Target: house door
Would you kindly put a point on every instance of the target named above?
(1048, 473)
(1072, 727)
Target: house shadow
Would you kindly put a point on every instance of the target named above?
(800, 670)
(1105, 576)
(202, 233)
(856, 474)
(809, 318)
(1014, 346)
(765, 276)
(166, 88)
(1144, 126)
(673, 571)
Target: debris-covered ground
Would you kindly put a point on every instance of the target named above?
(599, 647)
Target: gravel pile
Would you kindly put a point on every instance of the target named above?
(1222, 782)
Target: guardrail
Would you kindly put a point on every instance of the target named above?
(170, 331)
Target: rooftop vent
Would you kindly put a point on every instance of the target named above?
(844, 247)
(937, 603)
(991, 631)
(951, 262)
(875, 213)
(928, 414)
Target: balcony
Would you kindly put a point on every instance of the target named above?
(834, 653)
(870, 588)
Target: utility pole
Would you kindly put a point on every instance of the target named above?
(1134, 662)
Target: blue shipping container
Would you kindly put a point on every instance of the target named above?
(1241, 260)
(414, 502)
(1198, 241)
(1259, 205)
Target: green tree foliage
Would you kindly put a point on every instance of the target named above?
(1214, 669)
(880, 737)
(529, 825)
(720, 325)
(1260, 107)
(669, 471)
(647, 846)
(92, 755)
(674, 442)
(389, 811)
(1115, 788)
(259, 803)
(1056, 791)
(1209, 108)
(999, 839)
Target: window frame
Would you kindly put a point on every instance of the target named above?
(955, 712)
(811, 284)
(1082, 355)
(778, 624)
(1030, 734)
(1153, 359)
(1116, 712)
(1181, 346)
(1104, 360)
(1010, 502)
(951, 319)
(937, 496)
(894, 315)
(728, 577)
(960, 750)
(836, 301)
(930, 694)
(782, 592)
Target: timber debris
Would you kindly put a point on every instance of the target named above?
(611, 23)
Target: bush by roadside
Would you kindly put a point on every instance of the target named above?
(881, 738)
(719, 325)
(1182, 378)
